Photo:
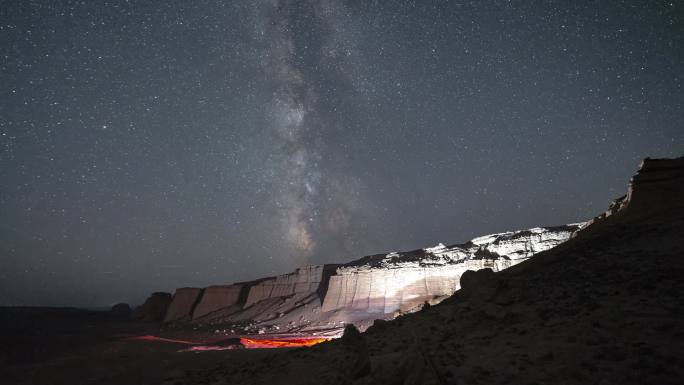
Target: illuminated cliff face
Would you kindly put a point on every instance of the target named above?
(401, 282)
(326, 297)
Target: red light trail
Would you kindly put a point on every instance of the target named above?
(250, 343)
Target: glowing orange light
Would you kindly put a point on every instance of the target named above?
(248, 343)
(290, 343)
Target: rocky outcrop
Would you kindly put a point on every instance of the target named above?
(374, 287)
(520, 245)
(303, 281)
(183, 304)
(286, 302)
(473, 279)
(120, 310)
(658, 183)
(154, 309)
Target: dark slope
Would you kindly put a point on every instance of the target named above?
(605, 307)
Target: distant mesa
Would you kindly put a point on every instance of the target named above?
(154, 309)
(474, 279)
(121, 310)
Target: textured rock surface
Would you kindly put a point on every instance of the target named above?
(286, 302)
(303, 281)
(216, 298)
(325, 297)
(652, 187)
(183, 304)
(400, 282)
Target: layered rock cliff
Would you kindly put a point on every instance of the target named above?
(325, 297)
(216, 298)
(183, 304)
(396, 283)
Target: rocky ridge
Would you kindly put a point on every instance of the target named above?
(326, 297)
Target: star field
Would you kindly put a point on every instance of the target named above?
(150, 145)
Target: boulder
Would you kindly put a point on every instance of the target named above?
(356, 362)
(351, 335)
(472, 280)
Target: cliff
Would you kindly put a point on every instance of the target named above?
(325, 297)
(391, 284)
(183, 304)
(657, 186)
(216, 298)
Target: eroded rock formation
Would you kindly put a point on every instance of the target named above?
(217, 298)
(303, 281)
(395, 283)
(183, 304)
(326, 297)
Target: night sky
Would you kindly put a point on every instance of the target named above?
(147, 145)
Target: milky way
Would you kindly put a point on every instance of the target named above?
(294, 42)
(148, 145)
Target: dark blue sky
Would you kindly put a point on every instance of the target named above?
(146, 145)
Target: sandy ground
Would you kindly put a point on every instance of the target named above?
(72, 346)
(68, 346)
